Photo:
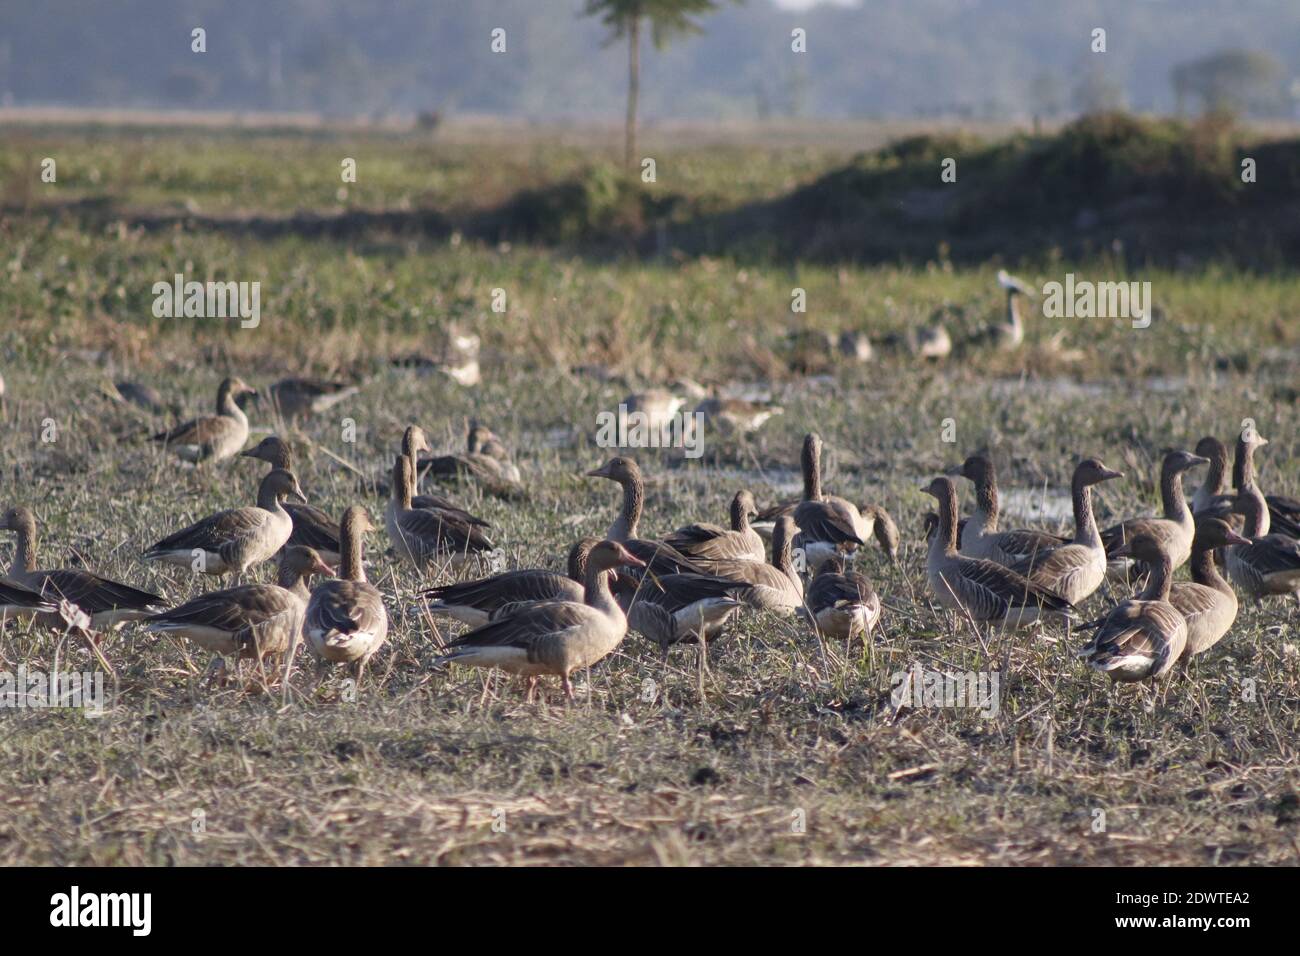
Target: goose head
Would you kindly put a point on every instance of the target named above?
(607, 555)
(976, 468)
(1211, 448)
(282, 483)
(356, 522)
(272, 450)
(414, 441)
(236, 387)
(620, 469)
(17, 519)
(1092, 471)
(1215, 533)
(304, 562)
(1145, 548)
(578, 557)
(1176, 462)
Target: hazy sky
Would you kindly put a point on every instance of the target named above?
(805, 4)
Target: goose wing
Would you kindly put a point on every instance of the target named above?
(313, 528)
(215, 531)
(444, 531)
(198, 431)
(823, 521)
(999, 583)
(94, 594)
(238, 611)
(532, 624)
(489, 594)
(346, 607)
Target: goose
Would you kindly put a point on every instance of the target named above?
(981, 537)
(1269, 564)
(252, 621)
(553, 637)
(237, 539)
(476, 602)
(499, 478)
(882, 527)
(345, 621)
(709, 541)
(678, 608)
(299, 397)
(776, 587)
(735, 416)
(1175, 530)
(312, 528)
(421, 535)
(987, 591)
(212, 437)
(108, 603)
(1207, 602)
(20, 603)
(136, 393)
(855, 345)
(486, 442)
(1143, 637)
(1074, 570)
(658, 556)
(830, 525)
(843, 604)
(415, 441)
(1008, 334)
(658, 405)
(1282, 512)
(1212, 496)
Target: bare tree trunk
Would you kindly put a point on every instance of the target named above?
(633, 90)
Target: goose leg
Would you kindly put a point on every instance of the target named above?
(568, 688)
(532, 689)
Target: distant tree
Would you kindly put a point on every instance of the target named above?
(1230, 81)
(668, 19)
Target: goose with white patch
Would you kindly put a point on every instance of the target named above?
(986, 591)
(1074, 570)
(212, 437)
(312, 528)
(710, 541)
(843, 603)
(1143, 637)
(553, 637)
(237, 539)
(107, 603)
(981, 537)
(345, 621)
(477, 602)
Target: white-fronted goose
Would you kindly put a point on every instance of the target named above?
(421, 535)
(828, 525)
(1270, 564)
(346, 622)
(299, 397)
(987, 591)
(842, 603)
(710, 541)
(777, 586)
(1174, 531)
(415, 441)
(476, 602)
(212, 437)
(237, 539)
(312, 528)
(108, 603)
(1076, 569)
(658, 556)
(678, 608)
(553, 637)
(981, 537)
(1143, 637)
(1207, 602)
(252, 621)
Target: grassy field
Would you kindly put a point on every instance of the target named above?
(786, 749)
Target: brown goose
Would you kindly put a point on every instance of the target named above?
(420, 535)
(237, 539)
(1212, 496)
(1283, 514)
(829, 525)
(212, 437)
(1270, 564)
(1207, 602)
(709, 541)
(981, 537)
(1175, 530)
(300, 397)
(477, 602)
(252, 621)
(883, 527)
(1076, 569)
(658, 556)
(985, 590)
(777, 586)
(499, 478)
(108, 603)
(553, 637)
(1142, 638)
(678, 608)
(843, 604)
(345, 621)
(20, 603)
(312, 528)
(414, 441)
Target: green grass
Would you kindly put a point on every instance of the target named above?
(697, 767)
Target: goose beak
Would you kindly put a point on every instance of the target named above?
(249, 453)
(1123, 551)
(598, 472)
(1234, 538)
(954, 471)
(1198, 460)
(297, 493)
(1107, 475)
(632, 561)
(320, 567)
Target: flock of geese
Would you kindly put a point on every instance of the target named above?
(684, 587)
